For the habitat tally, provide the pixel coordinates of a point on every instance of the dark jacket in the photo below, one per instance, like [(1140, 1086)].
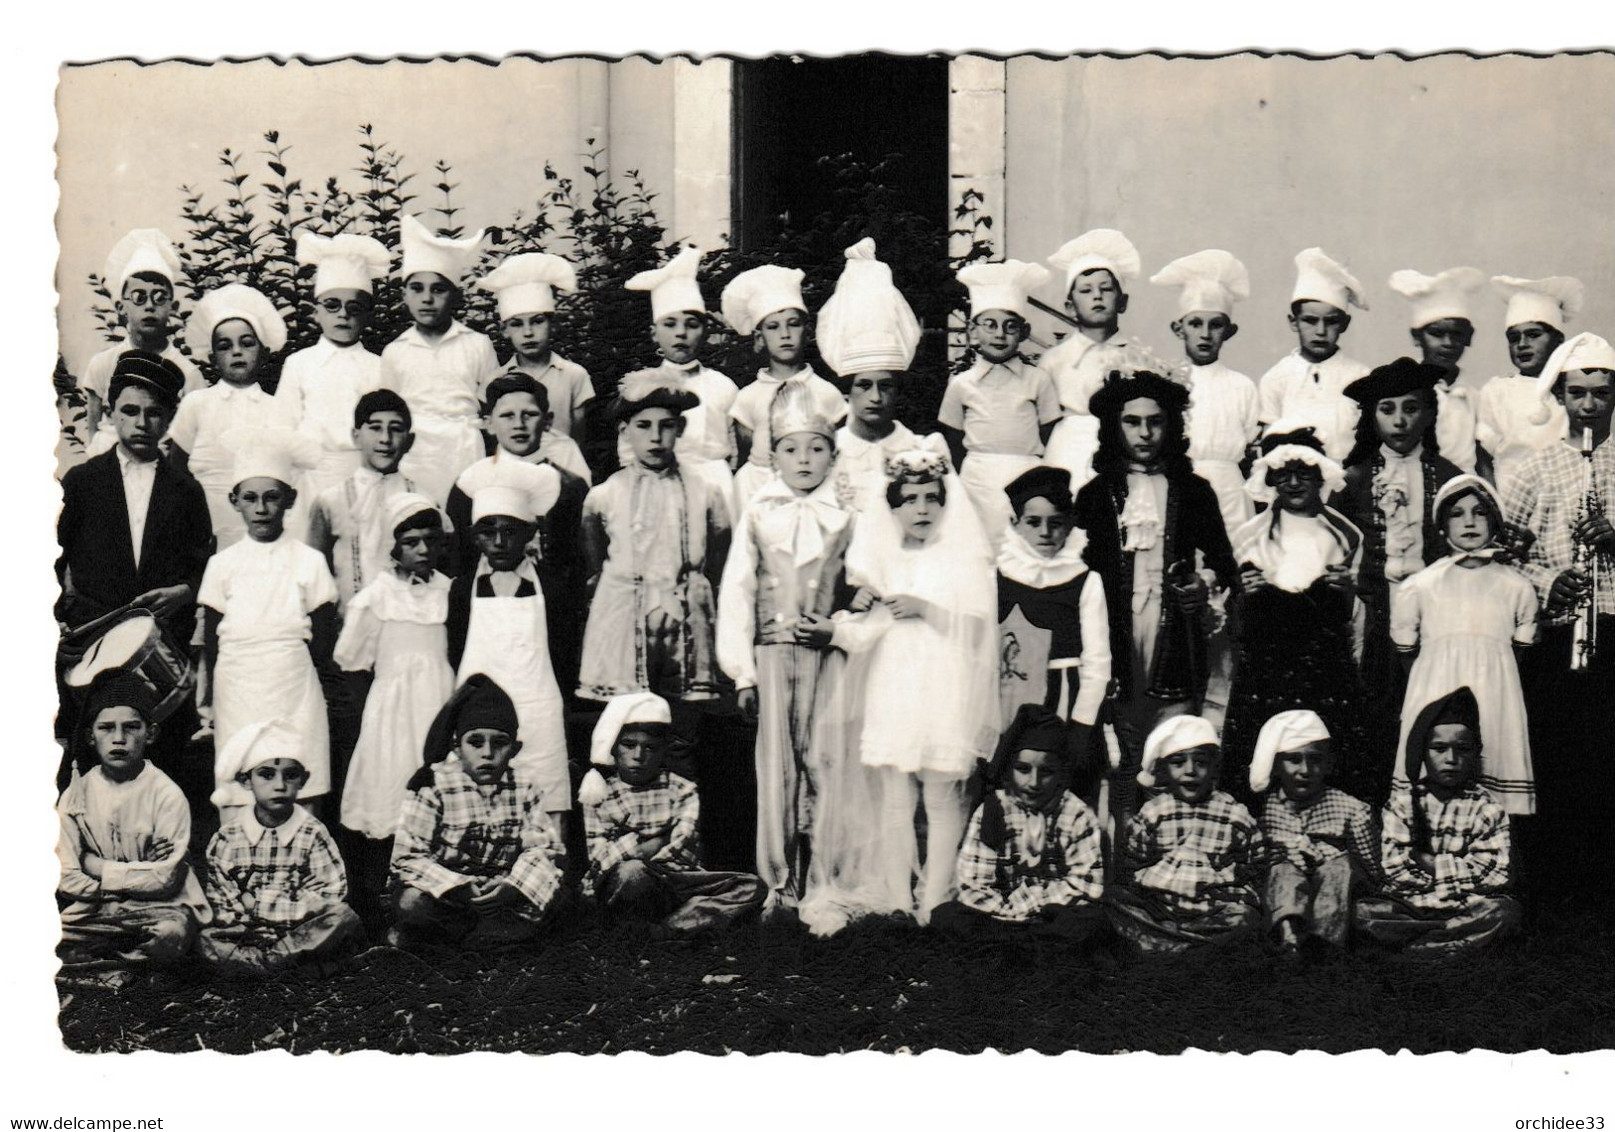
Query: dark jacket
[(97, 563), (1192, 524)]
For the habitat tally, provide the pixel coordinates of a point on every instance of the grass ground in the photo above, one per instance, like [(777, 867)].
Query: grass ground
[(884, 987)]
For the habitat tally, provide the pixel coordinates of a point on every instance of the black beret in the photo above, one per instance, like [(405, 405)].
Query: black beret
[(1395, 379), (1041, 482)]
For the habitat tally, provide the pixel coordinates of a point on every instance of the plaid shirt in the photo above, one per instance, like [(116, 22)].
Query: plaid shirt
[(1334, 824), (1197, 856), (1020, 881), (292, 872), (666, 807), (1469, 843), (1544, 497), (452, 831)]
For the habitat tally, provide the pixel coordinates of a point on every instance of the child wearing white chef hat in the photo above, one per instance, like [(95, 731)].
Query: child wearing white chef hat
[(1096, 268), (525, 287), (439, 365), (679, 326), (1002, 409), (269, 607), (238, 329), (1534, 324), (142, 273), (766, 305), (321, 385), (1309, 384), (274, 876), (1442, 326)]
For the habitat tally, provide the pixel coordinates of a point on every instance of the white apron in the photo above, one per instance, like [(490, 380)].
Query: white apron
[(985, 475), (508, 640), (1232, 499), (273, 679), (1072, 445)]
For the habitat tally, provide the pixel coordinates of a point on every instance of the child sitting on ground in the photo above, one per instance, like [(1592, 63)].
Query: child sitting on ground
[(127, 892), (395, 626), (274, 876), (525, 287), (1322, 840), (320, 387), (476, 859), (239, 329), (1445, 844), (346, 522), (766, 305), (1191, 857), (1030, 863), (644, 852)]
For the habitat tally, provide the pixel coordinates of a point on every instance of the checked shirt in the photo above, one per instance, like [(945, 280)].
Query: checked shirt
[(292, 871), (1019, 882), (1333, 825), (1195, 857), (668, 806), (1469, 842)]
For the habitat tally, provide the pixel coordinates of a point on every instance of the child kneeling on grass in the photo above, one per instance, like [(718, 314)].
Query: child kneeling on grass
[(274, 877), (1445, 844), (1031, 862), (1192, 855), (1323, 840), (644, 853), (476, 859), (127, 892)]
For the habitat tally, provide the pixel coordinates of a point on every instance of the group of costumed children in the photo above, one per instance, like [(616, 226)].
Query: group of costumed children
[(1148, 646)]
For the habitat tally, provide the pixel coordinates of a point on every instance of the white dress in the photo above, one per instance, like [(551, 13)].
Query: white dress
[(397, 628), (1465, 622), (265, 592)]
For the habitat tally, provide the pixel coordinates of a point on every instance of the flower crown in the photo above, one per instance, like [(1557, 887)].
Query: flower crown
[(917, 465)]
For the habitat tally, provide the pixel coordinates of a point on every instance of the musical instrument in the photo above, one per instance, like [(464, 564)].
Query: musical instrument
[(1586, 561), (135, 642)]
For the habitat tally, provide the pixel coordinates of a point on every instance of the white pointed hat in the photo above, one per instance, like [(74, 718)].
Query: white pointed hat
[(1002, 286), (345, 262), (673, 286), (448, 256), (1553, 301), (526, 283), (234, 300), (145, 250), (1435, 297), (753, 295), (1320, 279), (619, 712), (1212, 280), (1179, 733), (1286, 731), (867, 324), (1099, 248), (249, 748)]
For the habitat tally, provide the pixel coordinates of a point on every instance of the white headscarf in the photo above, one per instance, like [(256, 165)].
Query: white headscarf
[(1286, 731)]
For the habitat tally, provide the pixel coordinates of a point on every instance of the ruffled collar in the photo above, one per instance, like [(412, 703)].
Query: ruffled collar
[(1018, 562)]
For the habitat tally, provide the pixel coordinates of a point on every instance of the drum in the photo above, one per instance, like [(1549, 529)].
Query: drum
[(140, 646)]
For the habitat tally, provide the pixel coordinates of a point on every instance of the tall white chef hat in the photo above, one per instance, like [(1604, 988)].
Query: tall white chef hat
[(1098, 248), (1320, 279), (867, 324), (448, 256), (276, 452), (511, 487), (143, 251), (1553, 301), (1211, 281), (753, 295), (342, 262), (526, 283), (1435, 297), (673, 287), (1002, 286)]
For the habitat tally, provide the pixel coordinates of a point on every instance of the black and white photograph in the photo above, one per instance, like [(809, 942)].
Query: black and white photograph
[(731, 552)]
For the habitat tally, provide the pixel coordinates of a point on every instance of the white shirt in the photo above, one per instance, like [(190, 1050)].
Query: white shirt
[(1456, 424), (1223, 417), (440, 380), (321, 386), (1505, 408), (860, 467), (1398, 493), (265, 591), (1000, 406), (1314, 394), (568, 386), (138, 477), (204, 418), (1076, 368)]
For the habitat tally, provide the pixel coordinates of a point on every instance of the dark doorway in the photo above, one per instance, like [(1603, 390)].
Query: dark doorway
[(790, 111)]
